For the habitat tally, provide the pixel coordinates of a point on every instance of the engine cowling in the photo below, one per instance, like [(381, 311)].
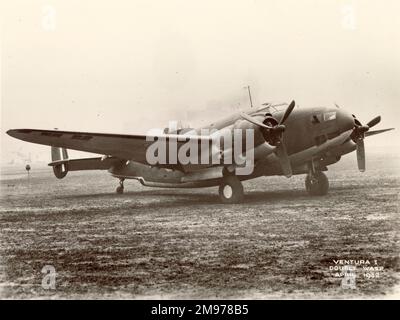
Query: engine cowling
[(271, 137), (262, 145), (274, 135)]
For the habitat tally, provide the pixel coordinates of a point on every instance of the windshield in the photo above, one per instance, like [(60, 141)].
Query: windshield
[(272, 107)]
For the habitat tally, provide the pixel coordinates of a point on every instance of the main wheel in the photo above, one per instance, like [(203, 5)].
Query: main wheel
[(317, 184), (231, 190)]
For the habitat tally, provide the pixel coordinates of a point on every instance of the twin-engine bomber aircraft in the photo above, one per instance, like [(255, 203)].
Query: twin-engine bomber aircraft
[(283, 142)]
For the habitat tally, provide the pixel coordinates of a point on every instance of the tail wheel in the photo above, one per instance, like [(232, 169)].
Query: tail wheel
[(231, 190), (317, 184), (120, 190)]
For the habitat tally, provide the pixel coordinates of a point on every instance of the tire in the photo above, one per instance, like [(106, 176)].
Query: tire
[(120, 190), (231, 190), (318, 187)]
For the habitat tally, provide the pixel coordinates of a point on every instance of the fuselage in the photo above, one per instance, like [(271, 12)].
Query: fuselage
[(306, 129)]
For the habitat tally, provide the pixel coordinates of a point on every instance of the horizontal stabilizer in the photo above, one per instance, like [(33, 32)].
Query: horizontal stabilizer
[(87, 163)]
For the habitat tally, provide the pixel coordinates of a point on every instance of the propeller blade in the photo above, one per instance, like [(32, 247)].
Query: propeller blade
[(374, 122), (284, 159), (361, 155), (371, 133), (254, 121), (288, 112)]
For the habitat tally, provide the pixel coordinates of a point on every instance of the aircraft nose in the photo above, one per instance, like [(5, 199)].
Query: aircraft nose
[(345, 120)]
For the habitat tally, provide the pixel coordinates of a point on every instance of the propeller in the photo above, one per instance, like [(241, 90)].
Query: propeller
[(273, 134), (287, 113), (372, 133), (374, 122), (358, 136)]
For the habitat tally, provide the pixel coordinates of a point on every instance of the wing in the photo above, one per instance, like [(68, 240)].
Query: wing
[(129, 147)]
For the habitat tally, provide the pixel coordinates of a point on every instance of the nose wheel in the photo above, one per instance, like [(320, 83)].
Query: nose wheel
[(317, 183), (231, 190), (120, 188)]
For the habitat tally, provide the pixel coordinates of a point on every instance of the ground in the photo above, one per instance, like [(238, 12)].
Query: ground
[(164, 243)]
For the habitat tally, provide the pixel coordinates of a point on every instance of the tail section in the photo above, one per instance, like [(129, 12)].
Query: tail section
[(59, 158), (62, 164)]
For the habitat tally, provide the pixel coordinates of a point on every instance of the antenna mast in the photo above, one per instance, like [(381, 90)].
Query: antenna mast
[(251, 101)]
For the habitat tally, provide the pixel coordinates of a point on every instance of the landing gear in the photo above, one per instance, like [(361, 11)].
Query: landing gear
[(231, 189), (317, 183), (120, 188)]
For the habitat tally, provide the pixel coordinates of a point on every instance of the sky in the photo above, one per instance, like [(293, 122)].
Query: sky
[(129, 66)]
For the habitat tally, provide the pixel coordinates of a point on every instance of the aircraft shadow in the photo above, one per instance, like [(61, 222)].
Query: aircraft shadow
[(179, 198)]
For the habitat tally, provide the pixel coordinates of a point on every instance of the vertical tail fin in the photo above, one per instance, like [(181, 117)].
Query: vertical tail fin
[(58, 154)]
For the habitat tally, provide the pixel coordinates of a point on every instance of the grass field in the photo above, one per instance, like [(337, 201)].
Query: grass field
[(160, 243)]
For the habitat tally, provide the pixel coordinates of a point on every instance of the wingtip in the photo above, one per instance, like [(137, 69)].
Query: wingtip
[(15, 133)]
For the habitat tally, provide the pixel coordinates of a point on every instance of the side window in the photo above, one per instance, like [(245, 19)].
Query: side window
[(328, 116), (316, 118)]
